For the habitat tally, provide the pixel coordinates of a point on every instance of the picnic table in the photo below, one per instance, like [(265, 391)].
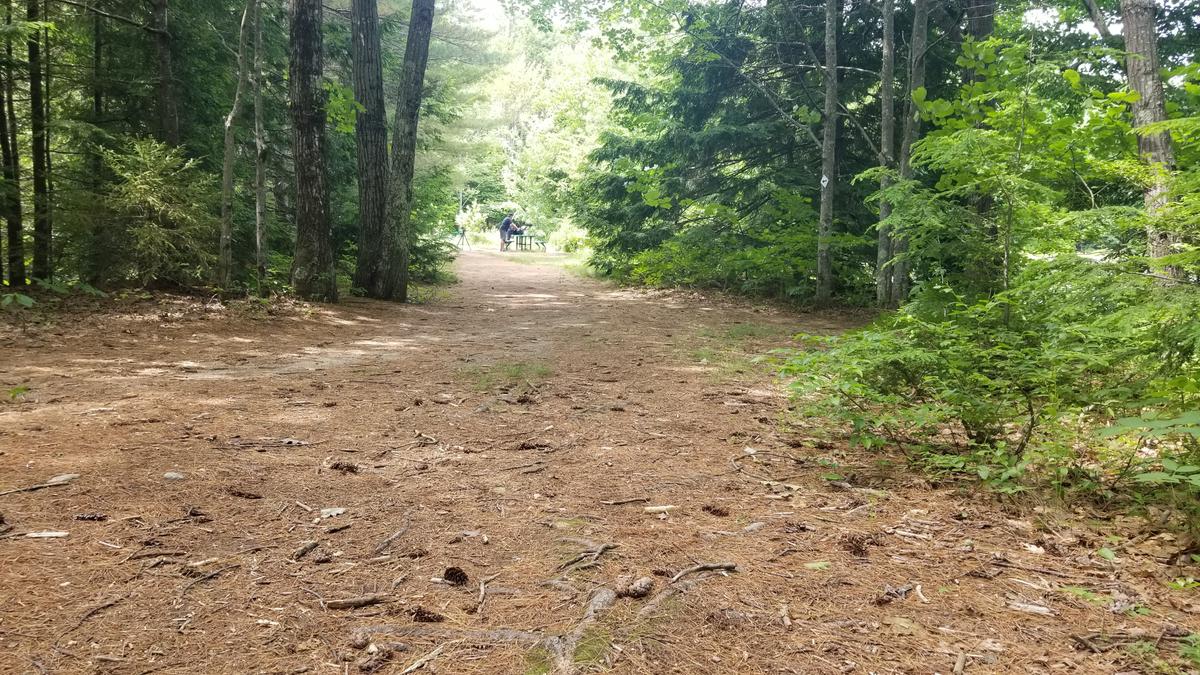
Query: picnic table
[(527, 242)]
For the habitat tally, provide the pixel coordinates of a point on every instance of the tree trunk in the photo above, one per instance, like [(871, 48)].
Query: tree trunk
[(404, 143), (981, 18), (97, 251), (828, 155), (374, 235), (43, 267), (260, 158), (887, 145), (48, 61), (10, 192), (225, 261), (912, 126), (12, 169), (168, 109), (313, 273), (981, 23), (1141, 67), (1098, 19)]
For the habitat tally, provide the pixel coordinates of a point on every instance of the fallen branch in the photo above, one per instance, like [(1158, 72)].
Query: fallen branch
[(483, 591), (90, 613), (539, 463), (1086, 643), (1003, 562), (305, 548), (960, 663), (621, 502), (351, 603), (705, 567), (421, 662), (590, 556), (502, 635), (31, 488), (211, 575), (394, 536)]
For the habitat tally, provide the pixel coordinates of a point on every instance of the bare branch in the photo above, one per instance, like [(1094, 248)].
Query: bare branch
[(115, 17)]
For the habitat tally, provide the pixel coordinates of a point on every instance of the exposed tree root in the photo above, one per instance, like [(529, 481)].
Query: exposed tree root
[(494, 636), (562, 647)]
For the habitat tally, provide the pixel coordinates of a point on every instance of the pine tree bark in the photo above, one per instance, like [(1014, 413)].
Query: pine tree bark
[(97, 251), (312, 267), (404, 144), (371, 272), (168, 108), (1141, 68), (901, 269), (225, 258), (12, 169), (981, 18), (43, 266), (1098, 19), (260, 158), (828, 155), (48, 99), (887, 144)]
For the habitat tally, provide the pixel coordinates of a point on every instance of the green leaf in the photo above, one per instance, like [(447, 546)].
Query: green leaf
[(1156, 478), (1071, 75), (1107, 554), (820, 565)]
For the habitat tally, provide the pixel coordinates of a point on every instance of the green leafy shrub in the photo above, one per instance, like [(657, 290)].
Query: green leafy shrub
[(771, 262), (162, 226), (431, 255), (1022, 382)]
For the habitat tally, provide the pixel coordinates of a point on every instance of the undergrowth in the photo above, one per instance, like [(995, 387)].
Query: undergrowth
[(506, 375), (1083, 377)]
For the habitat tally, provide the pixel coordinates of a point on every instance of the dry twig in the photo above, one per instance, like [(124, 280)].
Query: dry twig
[(421, 662), (394, 536), (705, 567), (351, 603), (305, 548), (31, 488), (211, 575), (589, 556)]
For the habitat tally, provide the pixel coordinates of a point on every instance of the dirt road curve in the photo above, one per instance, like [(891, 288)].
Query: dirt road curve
[(488, 428)]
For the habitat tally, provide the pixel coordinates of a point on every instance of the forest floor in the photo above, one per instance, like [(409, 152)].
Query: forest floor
[(242, 473)]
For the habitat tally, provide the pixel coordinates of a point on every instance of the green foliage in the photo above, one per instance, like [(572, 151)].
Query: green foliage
[(506, 375), (1189, 649), (430, 257), (1002, 386), (15, 301), (162, 208)]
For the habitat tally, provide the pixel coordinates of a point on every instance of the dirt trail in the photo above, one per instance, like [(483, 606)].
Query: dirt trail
[(490, 426)]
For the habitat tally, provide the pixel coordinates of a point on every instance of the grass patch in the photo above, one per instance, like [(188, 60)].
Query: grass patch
[(593, 647), (726, 354), (1084, 594), (538, 662), (505, 375), (570, 524), (728, 364), (575, 264), (739, 332), (534, 258)]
